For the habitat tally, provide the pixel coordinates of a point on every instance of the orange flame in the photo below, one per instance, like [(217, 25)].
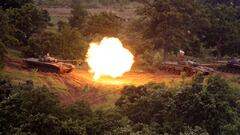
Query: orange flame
[(109, 58)]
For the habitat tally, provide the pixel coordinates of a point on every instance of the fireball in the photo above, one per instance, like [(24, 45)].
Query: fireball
[(109, 58)]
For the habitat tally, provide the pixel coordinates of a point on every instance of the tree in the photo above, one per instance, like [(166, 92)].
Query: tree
[(4, 25), (6, 88), (7, 31), (78, 111), (79, 15), (71, 44), (172, 25), (198, 108), (68, 43), (33, 109), (3, 51), (27, 20), (226, 2), (4, 32), (5, 4), (104, 122), (42, 43), (104, 24), (211, 107), (224, 33)]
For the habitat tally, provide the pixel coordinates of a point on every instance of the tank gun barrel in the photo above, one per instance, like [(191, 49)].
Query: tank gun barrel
[(76, 62), (70, 61)]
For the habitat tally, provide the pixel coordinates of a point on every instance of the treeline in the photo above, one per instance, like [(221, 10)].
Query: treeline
[(25, 28), (202, 28), (19, 20), (70, 40), (197, 108), (199, 27)]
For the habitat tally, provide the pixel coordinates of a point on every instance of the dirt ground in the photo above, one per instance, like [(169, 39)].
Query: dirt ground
[(82, 86)]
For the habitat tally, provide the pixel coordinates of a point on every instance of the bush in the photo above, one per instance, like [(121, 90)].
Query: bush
[(26, 110), (212, 106), (202, 108), (3, 51)]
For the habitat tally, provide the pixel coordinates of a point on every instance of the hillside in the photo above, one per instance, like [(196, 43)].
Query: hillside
[(79, 85)]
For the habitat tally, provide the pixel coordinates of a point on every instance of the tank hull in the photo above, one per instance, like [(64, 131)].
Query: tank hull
[(59, 68), (177, 69), (230, 68)]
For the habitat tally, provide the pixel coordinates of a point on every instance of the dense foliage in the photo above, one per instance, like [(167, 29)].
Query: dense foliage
[(192, 26), (173, 25), (201, 28), (28, 110), (4, 32), (66, 44), (104, 24), (197, 108), (6, 4), (79, 15), (224, 33), (19, 19), (2, 54), (212, 107), (24, 18), (27, 20)]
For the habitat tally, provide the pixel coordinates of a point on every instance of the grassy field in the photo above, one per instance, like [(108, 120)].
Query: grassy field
[(39, 80)]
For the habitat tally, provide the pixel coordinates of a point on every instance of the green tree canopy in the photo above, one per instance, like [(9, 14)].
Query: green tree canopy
[(3, 52), (79, 15), (103, 24), (226, 2), (71, 44), (210, 107), (172, 25), (42, 43), (5, 4), (224, 33), (27, 20), (68, 43)]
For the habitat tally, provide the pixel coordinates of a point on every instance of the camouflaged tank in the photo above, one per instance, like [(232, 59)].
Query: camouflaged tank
[(189, 67), (49, 64), (232, 66)]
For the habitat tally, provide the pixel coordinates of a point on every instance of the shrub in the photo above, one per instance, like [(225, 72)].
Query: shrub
[(3, 51)]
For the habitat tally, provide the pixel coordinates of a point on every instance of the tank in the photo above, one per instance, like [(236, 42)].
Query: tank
[(49, 64), (189, 67), (232, 66)]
